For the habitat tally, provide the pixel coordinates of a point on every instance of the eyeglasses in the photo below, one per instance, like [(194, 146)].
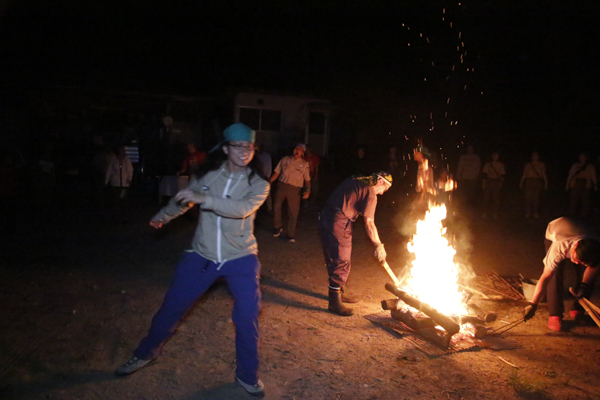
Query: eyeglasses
[(242, 147)]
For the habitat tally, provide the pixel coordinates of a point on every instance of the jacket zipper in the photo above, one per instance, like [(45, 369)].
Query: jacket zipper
[(224, 195)]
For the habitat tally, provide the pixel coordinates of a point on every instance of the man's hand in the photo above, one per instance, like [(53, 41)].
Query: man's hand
[(186, 196), (156, 224), (380, 253), (584, 290), (529, 311), (306, 194)]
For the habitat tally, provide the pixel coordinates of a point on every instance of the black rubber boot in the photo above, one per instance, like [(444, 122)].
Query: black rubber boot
[(348, 298), (335, 303)]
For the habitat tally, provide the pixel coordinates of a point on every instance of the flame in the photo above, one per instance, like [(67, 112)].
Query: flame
[(433, 273)]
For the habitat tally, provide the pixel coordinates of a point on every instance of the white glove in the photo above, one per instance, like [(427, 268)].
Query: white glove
[(380, 253)]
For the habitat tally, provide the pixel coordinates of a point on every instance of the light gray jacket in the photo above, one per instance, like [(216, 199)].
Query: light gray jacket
[(226, 223)]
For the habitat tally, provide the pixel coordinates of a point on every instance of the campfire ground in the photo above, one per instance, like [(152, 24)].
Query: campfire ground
[(78, 293)]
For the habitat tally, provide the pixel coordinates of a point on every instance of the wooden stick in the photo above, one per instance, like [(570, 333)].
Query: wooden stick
[(497, 291), (391, 273), (585, 303), (511, 364), (593, 306), (483, 295), (507, 285), (592, 313)]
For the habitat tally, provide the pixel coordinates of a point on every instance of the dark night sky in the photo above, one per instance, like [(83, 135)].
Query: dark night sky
[(534, 63)]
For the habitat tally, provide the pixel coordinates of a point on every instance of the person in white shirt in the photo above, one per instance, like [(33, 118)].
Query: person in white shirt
[(119, 176), (567, 242)]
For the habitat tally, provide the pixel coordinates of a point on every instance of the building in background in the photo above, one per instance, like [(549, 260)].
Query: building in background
[(281, 121)]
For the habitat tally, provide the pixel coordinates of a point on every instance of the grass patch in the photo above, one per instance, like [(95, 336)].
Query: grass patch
[(526, 389)]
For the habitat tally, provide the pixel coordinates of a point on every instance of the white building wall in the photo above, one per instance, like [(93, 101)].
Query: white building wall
[(295, 112)]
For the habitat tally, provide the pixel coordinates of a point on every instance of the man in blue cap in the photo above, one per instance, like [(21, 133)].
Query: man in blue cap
[(229, 193)]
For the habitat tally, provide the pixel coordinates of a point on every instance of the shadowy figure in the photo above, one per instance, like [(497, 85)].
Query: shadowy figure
[(467, 174), (119, 176), (533, 182), (580, 182), (493, 179)]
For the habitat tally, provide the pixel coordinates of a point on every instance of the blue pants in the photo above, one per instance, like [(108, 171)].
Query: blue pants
[(194, 275)]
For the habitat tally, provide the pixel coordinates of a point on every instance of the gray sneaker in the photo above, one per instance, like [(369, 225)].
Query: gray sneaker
[(131, 366), (257, 390)]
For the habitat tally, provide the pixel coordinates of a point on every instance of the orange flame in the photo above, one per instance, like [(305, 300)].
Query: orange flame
[(433, 273)]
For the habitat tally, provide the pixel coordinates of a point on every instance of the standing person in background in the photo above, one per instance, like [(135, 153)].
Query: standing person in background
[(313, 169), (580, 182), (360, 164), (266, 166), (100, 163), (119, 176), (292, 175), (533, 181), (224, 246), (467, 174), (192, 161), (493, 179), (353, 197)]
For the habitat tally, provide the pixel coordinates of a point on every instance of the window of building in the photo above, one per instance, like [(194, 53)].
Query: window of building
[(316, 123), (250, 117), (258, 119)]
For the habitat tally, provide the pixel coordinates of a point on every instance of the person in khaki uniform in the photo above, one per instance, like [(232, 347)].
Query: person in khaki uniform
[(292, 174)]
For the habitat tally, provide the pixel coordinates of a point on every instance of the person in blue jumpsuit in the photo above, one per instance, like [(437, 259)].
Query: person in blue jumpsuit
[(229, 193), (353, 197)]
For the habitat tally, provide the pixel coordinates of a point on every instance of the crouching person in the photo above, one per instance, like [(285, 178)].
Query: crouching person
[(229, 189), (567, 243)]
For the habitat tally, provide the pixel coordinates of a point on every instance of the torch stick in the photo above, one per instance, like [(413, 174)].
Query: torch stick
[(391, 273)]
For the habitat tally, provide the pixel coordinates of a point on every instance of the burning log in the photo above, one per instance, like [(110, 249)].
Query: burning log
[(414, 320), (476, 330), (442, 320), (484, 315), (470, 319), (391, 304)]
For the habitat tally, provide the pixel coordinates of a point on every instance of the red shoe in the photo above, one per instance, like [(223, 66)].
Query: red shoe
[(555, 323), (578, 316)]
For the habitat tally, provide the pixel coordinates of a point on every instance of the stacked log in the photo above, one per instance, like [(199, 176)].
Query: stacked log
[(446, 322)]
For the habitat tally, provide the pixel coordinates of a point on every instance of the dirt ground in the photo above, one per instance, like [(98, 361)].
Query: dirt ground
[(78, 293)]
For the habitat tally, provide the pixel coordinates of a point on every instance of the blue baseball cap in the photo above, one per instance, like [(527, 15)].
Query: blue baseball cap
[(239, 132)]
